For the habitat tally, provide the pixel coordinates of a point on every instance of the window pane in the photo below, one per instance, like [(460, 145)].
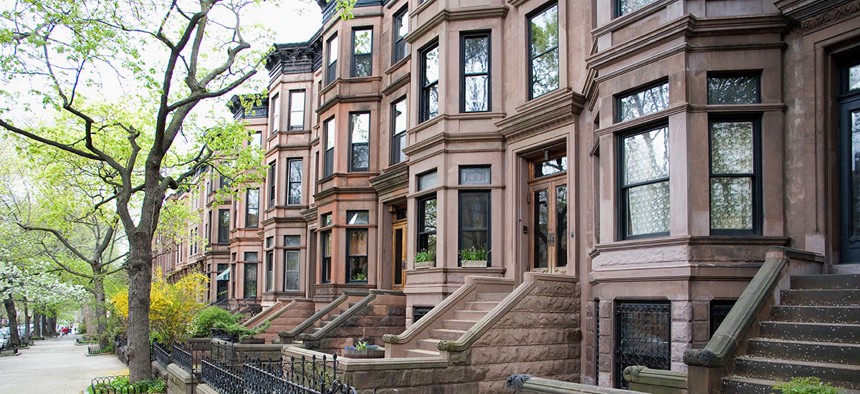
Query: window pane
[(433, 101), (429, 209), (475, 210), (545, 73), (427, 181), (332, 50), (326, 220), (854, 77), (475, 175), (360, 127), (363, 66), (223, 226), (476, 55), (731, 203), (357, 217), (648, 209), (250, 280), (357, 255), (646, 156), (256, 140), (732, 148), (297, 110), (357, 242), (644, 102), (544, 31), (431, 66), (360, 157), (291, 270), (733, 90), (541, 234), (329, 133), (402, 25), (400, 117), (252, 207), (250, 256), (551, 167), (628, 6), (561, 225), (292, 240), (363, 40), (476, 93)]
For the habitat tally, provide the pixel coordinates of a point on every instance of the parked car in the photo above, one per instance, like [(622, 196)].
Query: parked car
[(4, 340)]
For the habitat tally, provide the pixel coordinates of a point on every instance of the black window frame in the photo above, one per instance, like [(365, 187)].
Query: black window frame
[(355, 56), (353, 145), (397, 155), (276, 113), (288, 250), (270, 187), (756, 178), (461, 230), (729, 74), (270, 270), (617, 117), (249, 279), (622, 196), (422, 238), (425, 87), (398, 43), (531, 58), (291, 113), (291, 183), (349, 257), (463, 75), (248, 200), (331, 66), (325, 260), (329, 138), (223, 226)]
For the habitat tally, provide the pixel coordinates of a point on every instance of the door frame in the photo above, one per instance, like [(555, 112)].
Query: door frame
[(549, 182), (398, 225)]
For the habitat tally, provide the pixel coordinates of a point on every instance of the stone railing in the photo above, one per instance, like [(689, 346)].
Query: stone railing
[(288, 336), (707, 367), (526, 384), (649, 380)]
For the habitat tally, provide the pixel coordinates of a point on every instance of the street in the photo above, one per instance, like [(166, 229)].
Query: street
[(55, 365)]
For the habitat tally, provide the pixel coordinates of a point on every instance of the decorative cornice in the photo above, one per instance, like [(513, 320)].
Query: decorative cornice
[(258, 106), (335, 190), (391, 180), (337, 99), (830, 17), (310, 215), (456, 15), (547, 112)]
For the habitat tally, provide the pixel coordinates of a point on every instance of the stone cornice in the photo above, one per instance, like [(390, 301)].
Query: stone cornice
[(658, 242), (335, 190), (391, 180), (444, 138), (310, 215), (550, 111), (456, 15), (397, 84), (813, 14), (348, 99)]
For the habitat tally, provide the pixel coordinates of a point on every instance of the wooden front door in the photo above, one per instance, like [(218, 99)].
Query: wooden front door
[(548, 196)]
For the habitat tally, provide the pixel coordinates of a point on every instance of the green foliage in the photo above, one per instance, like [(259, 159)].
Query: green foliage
[(806, 385), (473, 254), (425, 256), (121, 385), (237, 330), (206, 319)]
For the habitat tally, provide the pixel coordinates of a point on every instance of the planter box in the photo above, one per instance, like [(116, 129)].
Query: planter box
[(424, 264), (369, 353), (473, 263)]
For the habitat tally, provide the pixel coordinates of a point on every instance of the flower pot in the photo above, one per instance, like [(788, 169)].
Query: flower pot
[(366, 353), (424, 264), (473, 263)]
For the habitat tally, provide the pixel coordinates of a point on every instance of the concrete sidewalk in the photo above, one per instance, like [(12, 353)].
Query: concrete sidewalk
[(55, 365)]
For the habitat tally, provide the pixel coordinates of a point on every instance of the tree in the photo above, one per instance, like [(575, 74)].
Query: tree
[(169, 57)]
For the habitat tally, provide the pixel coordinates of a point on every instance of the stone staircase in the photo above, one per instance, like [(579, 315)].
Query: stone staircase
[(813, 331), (464, 318), (282, 316)]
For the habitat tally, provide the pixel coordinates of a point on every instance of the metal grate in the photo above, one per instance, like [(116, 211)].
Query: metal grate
[(719, 310), (419, 311), (642, 336)]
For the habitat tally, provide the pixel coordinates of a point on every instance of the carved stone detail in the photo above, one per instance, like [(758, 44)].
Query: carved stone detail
[(830, 17)]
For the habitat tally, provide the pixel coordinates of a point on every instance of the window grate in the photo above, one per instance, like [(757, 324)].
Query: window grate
[(642, 336)]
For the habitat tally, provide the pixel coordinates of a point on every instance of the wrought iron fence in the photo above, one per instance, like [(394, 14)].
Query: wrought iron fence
[(296, 376), (182, 358), (107, 385), (642, 336), (190, 356), (223, 378), (160, 354)]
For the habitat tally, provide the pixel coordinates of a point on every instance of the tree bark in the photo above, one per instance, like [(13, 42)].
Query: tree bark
[(26, 321), (101, 312), (14, 340), (37, 324), (52, 325), (140, 280)]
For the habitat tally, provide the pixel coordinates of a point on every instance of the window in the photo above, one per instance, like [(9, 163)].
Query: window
[(427, 224), (645, 183), (475, 175), (356, 254), (252, 208), (222, 282), (328, 156), (642, 336), (719, 309), (359, 138), (270, 242), (398, 131), (223, 181), (291, 262), (643, 102), (297, 109), (623, 7), (270, 270), (325, 220), (250, 285), (735, 185), (401, 28), (543, 51), (475, 83), (362, 48), (734, 89), (256, 141), (325, 242), (427, 180), (276, 113), (475, 222), (551, 167), (331, 66), (294, 182), (223, 226), (357, 217), (271, 184), (429, 100)]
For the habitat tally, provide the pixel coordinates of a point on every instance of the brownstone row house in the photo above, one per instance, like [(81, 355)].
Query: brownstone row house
[(646, 152)]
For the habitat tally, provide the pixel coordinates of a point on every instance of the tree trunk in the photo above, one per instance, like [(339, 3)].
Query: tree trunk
[(140, 282), (27, 333), (14, 340), (52, 325), (101, 313), (37, 324)]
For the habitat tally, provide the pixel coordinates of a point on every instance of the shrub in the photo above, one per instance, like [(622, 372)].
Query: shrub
[(808, 385), (120, 384), (206, 319), (235, 329), (473, 254), (424, 256)]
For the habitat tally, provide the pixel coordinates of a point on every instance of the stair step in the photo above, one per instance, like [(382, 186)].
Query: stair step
[(764, 368), (743, 385), (444, 333), (421, 353), (821, 297), (841, 333), (458, 324), (827, 352), (496, 297), (841, 281), (429, 344), (469, 315), (481, 305), (816, 314)]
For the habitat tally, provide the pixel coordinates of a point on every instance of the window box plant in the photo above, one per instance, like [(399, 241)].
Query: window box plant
[(363, 349), (425, 259), (473, 257)]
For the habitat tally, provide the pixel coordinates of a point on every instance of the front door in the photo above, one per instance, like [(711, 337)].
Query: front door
[(398, 257), (548, 204), (849, 148)]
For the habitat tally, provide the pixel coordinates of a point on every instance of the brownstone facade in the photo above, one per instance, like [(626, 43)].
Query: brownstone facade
[(650, 151)]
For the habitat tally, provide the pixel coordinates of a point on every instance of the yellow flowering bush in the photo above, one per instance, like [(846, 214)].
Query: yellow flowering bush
[(172, 306)]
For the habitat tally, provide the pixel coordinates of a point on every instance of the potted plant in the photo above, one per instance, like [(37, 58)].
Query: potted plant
[(359, 277), (363, 349), (425, 259), (473, 257)]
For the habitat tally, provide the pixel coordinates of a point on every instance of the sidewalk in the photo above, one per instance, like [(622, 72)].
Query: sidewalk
[(55, 365)]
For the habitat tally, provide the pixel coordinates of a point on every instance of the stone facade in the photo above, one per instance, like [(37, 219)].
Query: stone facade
[(385, 314)]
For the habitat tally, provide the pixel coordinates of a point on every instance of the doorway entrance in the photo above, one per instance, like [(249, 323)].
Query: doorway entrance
[(398, 257), (548, 196), (849, 164)]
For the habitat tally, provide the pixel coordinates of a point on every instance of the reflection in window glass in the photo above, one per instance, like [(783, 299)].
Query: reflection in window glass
[(291, 270), (356, 255), (551, 167), (476, 73), (543, 52), (645, 182), (475, 222), (743, 89), (359, 137), (628, 6), (362, 60), (401, 28), (398, 131), (328, 155), (427, 180), (854, 77), (331, 68), (732, 175), (294, 182), (325, 242), (475, 175), (643, 102), (430, 83), (357, 217), (252, 208), (297, 109), (250, 285), (427, 225), (326, 220), (292, 240)]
